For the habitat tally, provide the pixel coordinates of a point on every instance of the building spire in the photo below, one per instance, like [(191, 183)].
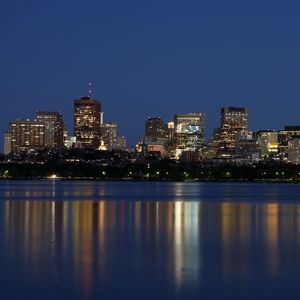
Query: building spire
[(90, 89)]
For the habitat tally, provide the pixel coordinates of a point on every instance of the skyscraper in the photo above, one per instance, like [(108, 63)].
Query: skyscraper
[(294, 151), (284, 136), (268, 142), (26, 135), (87, 121), (54, 128), (233, 120), (189, 132), (156, 130), (7, 142), (109, 135)]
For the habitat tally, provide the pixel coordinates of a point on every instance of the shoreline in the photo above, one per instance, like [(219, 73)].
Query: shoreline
[(196, 180)]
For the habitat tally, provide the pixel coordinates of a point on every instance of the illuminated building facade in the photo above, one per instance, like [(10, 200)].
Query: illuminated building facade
[(294, 151), (212, 150), (171, 127), (87, 121), (109, 135), (268, 142), (54, 128), (156, 130), (70, 142), (246, 145), (233, 120), (284, 136), (7, 143), (155, 147), (189, 132), (26, 135), (121, 142)]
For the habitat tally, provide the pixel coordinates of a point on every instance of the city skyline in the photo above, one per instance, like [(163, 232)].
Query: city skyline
[(149, 149), (171, 57), (209, 128), (208, 134)]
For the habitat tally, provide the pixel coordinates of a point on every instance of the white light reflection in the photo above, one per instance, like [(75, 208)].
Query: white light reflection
[(187, 256), (53, 189), (178, 237), (53, 234)]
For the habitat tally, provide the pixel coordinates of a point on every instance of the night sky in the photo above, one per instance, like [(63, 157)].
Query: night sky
[(151, 58)]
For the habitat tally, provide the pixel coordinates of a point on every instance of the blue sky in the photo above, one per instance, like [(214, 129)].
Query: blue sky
[(151, 58)]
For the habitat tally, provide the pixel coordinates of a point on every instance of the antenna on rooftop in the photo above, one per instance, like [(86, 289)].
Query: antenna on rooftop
[(90, 89)]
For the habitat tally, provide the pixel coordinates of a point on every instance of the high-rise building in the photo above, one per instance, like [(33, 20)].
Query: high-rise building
[(294, 151), (87, 121), (7, 143), (121, 142), (26, 135), (171, 128), (156, 130), (212, 148), (246, 145), (70, 142), (284, 136), (268, 142), (54, 128), (109, 135), (189, 132), (233, 120)]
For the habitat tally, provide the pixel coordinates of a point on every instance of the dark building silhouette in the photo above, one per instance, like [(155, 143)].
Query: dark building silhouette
[(156, 130)]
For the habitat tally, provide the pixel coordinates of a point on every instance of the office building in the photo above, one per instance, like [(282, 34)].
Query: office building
[(294, 151), (156, 130), (171, 132), (189, 132), (7, 143), (25, 135), (109, 135), (87, 113), (54, 128), (213, 147), (284, 136), (246, 145), (121, 142), (233, 120), (268, 142), (70, 142), (154, 148)]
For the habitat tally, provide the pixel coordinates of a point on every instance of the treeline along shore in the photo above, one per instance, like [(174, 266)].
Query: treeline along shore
[(99, 165)]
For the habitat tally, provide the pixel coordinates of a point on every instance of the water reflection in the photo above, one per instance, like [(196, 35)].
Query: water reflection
[(84, 248)]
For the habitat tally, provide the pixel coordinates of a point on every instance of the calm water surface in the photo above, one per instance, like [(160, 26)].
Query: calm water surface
[(131, 240)]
